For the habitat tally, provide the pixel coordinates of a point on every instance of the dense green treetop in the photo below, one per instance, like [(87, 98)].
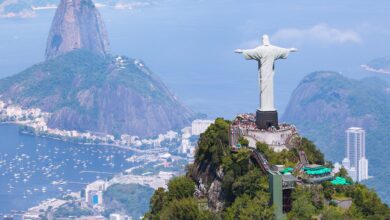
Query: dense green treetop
[(180, 188)]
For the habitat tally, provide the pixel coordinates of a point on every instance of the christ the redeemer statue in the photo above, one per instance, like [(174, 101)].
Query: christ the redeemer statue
[(266, 55)]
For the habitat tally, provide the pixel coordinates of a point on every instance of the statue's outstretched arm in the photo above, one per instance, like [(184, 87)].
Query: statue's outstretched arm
[(239, 51), (293, 49)]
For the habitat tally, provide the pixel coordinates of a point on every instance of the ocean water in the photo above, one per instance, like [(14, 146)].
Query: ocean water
[(33, 169)]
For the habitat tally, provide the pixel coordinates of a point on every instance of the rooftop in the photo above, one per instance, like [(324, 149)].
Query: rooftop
[(286, 170), (340, 181), (316, 170)]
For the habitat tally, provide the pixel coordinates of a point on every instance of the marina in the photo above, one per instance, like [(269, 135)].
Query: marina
[(33, 169)]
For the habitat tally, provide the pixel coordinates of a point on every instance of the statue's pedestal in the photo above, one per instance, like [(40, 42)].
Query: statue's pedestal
[(267, 119)]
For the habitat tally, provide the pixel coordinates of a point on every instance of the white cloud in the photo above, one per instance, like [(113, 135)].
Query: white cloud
[(320, 33)]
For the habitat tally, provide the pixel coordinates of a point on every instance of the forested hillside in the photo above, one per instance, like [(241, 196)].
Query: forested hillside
[(223, 184)]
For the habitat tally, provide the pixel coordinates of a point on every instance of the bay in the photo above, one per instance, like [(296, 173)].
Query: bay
[(33, 169)]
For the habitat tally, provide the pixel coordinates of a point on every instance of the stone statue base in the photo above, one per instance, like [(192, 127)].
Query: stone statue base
[(267, 119)]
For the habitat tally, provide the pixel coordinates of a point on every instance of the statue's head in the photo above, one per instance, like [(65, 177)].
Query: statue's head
[(265, 40)]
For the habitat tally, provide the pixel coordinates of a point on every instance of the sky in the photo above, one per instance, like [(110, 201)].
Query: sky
[(190, 44), (198, 40)]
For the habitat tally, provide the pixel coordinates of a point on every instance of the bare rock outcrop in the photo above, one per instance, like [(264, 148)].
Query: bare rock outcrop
[(77, 24)]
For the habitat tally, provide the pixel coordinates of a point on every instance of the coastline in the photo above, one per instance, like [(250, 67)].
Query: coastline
[(156, 150), (66, 140), (34, 122)]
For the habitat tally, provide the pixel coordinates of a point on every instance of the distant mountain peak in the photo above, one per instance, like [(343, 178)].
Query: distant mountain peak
[(77, 24)]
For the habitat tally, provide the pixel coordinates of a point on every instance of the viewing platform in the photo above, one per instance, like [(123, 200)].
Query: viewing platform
[(278, 139)]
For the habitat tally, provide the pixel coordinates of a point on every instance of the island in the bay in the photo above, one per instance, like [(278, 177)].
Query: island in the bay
[(30, 8), (256, 168)]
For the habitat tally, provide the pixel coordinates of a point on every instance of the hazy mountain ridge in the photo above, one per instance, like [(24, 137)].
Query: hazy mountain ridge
[(331, 103), (85, 91), (28, 8)]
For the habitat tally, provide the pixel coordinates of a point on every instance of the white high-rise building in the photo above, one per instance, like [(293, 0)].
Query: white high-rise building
[(355, 154), (363, 169)]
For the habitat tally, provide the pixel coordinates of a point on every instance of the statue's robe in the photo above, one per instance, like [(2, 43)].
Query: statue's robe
[(266, 56)]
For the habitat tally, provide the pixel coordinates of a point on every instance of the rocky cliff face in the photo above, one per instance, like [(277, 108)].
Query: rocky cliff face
[(326, 103), (77, 24), (209, 185), (89, 92)]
